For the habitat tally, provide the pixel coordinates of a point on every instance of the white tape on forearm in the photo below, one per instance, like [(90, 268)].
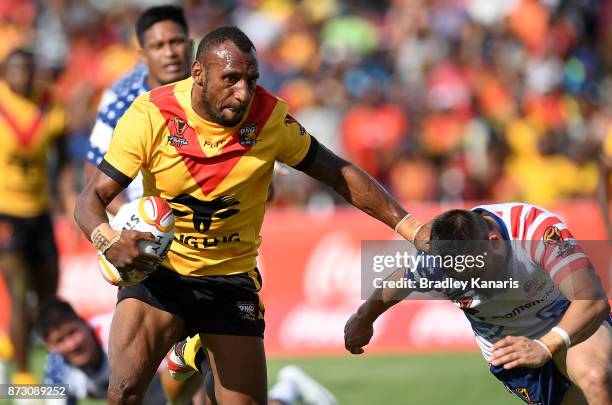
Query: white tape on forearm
[(566, 339), (103, 237), (538, 341)]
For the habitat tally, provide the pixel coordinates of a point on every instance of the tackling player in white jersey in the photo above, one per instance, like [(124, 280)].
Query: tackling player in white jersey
[(548, 339)]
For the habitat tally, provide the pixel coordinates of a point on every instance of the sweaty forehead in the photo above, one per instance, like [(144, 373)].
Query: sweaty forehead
[(228, 56)]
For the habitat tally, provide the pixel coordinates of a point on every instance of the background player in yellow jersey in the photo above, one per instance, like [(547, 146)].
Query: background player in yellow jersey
[(30, 126), (208, 146)]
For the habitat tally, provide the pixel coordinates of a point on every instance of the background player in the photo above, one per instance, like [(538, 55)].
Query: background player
[(550, 351), (78, 353), (165, 49), (31, 127), (208, 145)]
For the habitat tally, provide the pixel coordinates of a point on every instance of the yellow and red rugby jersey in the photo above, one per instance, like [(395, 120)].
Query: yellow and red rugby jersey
[(27, 130), (215, 179)]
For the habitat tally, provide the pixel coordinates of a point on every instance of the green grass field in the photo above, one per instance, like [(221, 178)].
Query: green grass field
[(428, 379)]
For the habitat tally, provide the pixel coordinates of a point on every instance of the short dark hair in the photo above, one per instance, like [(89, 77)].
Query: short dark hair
[(52, 314), (154, 15), (222, 34), (459, 232), (459, 225)]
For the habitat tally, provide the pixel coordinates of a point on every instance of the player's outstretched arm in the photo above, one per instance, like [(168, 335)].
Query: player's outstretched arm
[(362, 191), (359, 328), (90, 215)]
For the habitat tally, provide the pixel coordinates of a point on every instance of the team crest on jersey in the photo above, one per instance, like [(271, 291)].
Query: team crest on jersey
[(247, 135), (179, 125), (177, 129), (552, 237), (248, 310), (290, 120)]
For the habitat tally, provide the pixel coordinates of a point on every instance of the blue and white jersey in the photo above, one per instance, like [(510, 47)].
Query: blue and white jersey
[(537, 266), (114, 103)]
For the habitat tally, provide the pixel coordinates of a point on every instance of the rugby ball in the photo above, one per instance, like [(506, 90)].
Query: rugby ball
[(149, 214)]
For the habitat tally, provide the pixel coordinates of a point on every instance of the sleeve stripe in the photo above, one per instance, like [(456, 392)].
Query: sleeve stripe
[(515, 220), (531, 229), (310, 155), (570, 261), (566, 271), (114, 173)]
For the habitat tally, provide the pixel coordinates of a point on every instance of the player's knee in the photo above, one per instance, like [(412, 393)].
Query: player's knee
[(124, 391), (596, 380)]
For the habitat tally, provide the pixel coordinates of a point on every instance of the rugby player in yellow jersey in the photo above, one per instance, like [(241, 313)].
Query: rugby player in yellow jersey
[(604, 193), (30, 126), (208, 145)]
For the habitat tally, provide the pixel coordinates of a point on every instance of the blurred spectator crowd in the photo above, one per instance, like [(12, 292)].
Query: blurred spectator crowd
[(440, 100)]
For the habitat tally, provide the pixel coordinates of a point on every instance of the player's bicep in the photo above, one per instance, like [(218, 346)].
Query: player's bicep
[(582, 284), (105, 184), (325, 166)]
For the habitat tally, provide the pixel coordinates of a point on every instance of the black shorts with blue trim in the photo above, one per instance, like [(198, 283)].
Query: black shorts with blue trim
[(220, 305)]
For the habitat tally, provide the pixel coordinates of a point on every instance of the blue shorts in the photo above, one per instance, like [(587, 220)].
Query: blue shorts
[(545, 385)]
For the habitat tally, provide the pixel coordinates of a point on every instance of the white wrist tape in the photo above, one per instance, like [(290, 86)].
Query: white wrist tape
[(538, 341), (397, 226), (566, 339), (408, 228)]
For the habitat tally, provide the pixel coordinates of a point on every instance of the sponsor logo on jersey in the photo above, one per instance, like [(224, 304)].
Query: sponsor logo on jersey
[(290, 120), (521, 308), (207, 242), (205, 211), (247, 135), (248, 310), (177, 128)]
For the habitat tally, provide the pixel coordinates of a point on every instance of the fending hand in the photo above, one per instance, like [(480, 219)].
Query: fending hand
[(357, 334)]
